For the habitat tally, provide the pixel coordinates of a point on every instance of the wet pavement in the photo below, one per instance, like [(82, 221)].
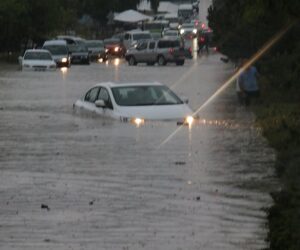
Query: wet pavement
[(70, 181)]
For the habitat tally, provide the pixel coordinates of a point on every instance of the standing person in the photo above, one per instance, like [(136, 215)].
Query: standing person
[(248, 83), (239, 93)]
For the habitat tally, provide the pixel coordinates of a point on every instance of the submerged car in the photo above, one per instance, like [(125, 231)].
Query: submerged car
[(37, 60), (80, 54), (96, 49), (159, 51), (131, 101), (114, 47), (59, 51)]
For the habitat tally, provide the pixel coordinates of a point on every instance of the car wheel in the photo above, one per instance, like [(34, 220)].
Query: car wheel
[(132, 61), (161, 61), (179, 63)]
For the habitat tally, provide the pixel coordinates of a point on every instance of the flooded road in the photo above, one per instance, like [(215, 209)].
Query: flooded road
[(69, 181)]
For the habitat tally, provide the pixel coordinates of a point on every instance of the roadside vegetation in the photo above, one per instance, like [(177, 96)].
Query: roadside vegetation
[(25, 23), (241, 28)]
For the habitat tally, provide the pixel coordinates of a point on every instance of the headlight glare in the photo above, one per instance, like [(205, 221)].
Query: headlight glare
[(189, 120), (138, 121)]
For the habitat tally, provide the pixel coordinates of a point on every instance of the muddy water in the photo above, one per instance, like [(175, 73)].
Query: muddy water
[(69, 181)]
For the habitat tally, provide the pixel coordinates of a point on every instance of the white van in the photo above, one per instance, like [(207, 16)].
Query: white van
[(132, 37), (59, 51)]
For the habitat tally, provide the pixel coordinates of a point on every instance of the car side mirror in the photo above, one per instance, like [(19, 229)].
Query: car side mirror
[(100, 104)]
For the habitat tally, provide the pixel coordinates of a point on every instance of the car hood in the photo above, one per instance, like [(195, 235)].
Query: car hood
[(156, 112), (38, 62)]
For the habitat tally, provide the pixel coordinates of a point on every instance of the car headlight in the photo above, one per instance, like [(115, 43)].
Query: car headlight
[(195, 31), (64, 60), (189, 120), (181, 31), (106, 50), (117, 49), (138, 121)]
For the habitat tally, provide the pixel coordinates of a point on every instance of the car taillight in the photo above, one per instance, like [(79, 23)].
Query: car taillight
[(190, 49), (202, 39), (171, 50)]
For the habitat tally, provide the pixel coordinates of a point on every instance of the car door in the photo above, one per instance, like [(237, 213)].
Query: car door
[(141, 52), (90, 98), (108, 110), (151, 52)]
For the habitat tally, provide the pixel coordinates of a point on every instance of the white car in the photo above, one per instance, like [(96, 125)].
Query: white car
[(38, 60), (136, 102)]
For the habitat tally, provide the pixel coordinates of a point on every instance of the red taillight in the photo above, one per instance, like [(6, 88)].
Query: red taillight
[(203, 26), (202, 39), (190, 49), (171, 50)]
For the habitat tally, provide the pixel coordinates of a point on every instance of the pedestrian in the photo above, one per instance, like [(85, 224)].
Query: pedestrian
[(239, 93), (248, 83)]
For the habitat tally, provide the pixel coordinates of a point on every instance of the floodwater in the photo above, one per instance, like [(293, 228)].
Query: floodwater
[(70, 181)]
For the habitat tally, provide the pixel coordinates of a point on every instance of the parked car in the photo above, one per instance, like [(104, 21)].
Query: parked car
[(132, 37), (96, 49), (160, 51), (132, 101), (114, 47), (37, 60), (59, 51)]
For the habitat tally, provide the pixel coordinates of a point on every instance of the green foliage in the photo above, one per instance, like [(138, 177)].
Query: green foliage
[(241, 28), (31, 20)]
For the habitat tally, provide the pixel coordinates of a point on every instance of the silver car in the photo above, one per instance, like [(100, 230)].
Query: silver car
[(159, 51)]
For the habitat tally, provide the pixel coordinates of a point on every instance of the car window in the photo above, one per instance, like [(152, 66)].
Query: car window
[(37, 56), (91, 95), (126, 37), (144, 95), (142, 46), (141, 36), (151, 45), (168, 44), (104, 95), (56, 49)]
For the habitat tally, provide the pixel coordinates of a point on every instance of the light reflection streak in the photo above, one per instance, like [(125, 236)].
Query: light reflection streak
[(252, 60)]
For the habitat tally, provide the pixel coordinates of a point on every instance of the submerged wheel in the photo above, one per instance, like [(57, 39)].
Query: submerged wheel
[(131, 61), (161, 61)]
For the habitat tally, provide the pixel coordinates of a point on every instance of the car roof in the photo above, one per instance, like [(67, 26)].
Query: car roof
[(138, 31), (127, 84), (37, 50), (55, 42)]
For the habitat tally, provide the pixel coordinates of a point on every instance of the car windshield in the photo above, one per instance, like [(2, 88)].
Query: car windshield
[(79, 48), (57, 49), (171, 33), (37, 56), (187, 25), (95, 44), (141, 36), (144, 95), (111, 41)]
